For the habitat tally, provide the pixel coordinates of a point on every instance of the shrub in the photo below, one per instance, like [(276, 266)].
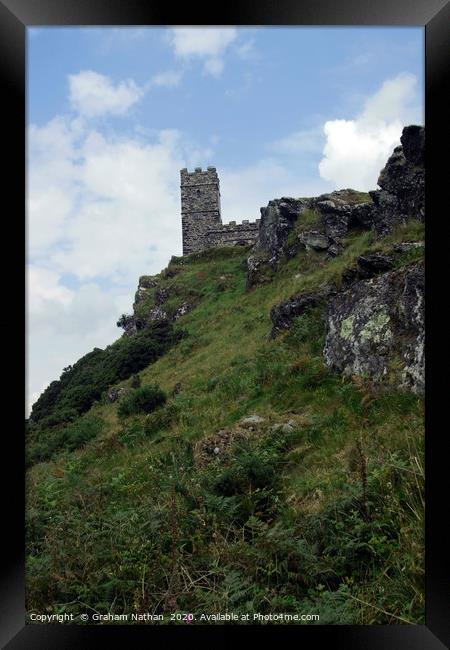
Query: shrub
[(135, 381), (308, 328), (84, 382), (159, 420), (142, 400), (46, 444)]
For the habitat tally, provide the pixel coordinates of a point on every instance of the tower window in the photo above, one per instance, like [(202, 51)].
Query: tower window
[(198, 192)]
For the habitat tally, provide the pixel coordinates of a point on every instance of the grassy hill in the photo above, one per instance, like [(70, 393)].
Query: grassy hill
[(264, 483)]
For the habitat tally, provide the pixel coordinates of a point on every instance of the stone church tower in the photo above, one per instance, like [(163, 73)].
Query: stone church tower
[(200, 207), (200, 215)]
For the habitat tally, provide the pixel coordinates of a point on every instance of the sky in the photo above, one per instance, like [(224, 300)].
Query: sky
[(114, 113)]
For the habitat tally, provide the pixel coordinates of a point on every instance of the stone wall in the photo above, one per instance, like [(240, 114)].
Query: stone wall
[(202, 225), (233, 234)]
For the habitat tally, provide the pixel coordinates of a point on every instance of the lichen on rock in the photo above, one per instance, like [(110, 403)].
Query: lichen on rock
[(376, 321)]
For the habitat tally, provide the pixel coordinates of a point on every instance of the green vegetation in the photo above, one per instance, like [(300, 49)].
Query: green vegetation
[(307, 219), (84, 383), (128, 511), (354, 197), (142, 400)]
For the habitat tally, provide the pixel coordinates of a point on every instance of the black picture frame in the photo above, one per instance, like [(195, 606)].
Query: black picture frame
[(434, 16)]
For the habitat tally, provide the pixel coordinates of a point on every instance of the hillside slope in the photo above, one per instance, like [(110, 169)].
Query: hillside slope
[(273, 478)]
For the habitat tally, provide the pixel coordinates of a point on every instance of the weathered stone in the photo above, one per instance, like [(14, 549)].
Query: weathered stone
[(259, 270), (114, 394), (283, 427), (251, 421), (284, 313), (277, 220), (406, 246), (374, 263), (315, 240), (349, 276), (148, 281), (402, 183), (182, 310), (413, 143), (367, 266), (161, 296), (156, 314), (363, 216), (202, 225), (376, 328), (140, 295)]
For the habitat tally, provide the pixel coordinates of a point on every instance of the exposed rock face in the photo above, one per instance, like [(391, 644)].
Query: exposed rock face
[(153, 302), (277, 220), (155, 314), (283, 314), (367, 267), (161, 296), (259, 269), (376, 328), (402, 182), (336, 213), (182, 310), (401, 197), (312, 239), (146, 283), (370, 265)]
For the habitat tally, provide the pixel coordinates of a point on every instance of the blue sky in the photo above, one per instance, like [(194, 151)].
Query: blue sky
[(114, 113)]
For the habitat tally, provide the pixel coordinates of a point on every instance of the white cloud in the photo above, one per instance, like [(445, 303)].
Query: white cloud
[(170, 78), (356, 150), (247, 50), (392, 101), (43, 287), (51, 182), (65, 324), (47, 210), (92, 94), (207, 43), (214, 67), (104, 210)]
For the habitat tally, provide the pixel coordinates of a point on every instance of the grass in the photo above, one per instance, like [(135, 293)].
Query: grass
[(326, 519)]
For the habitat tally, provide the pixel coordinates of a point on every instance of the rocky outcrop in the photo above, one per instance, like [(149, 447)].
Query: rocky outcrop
[(376, 328), (367, 266), (277, 221), (183, 309), (375, 322), (401, 198), (283, 314), (402, 182), (150, 305), (314, 240), (317, 224)]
